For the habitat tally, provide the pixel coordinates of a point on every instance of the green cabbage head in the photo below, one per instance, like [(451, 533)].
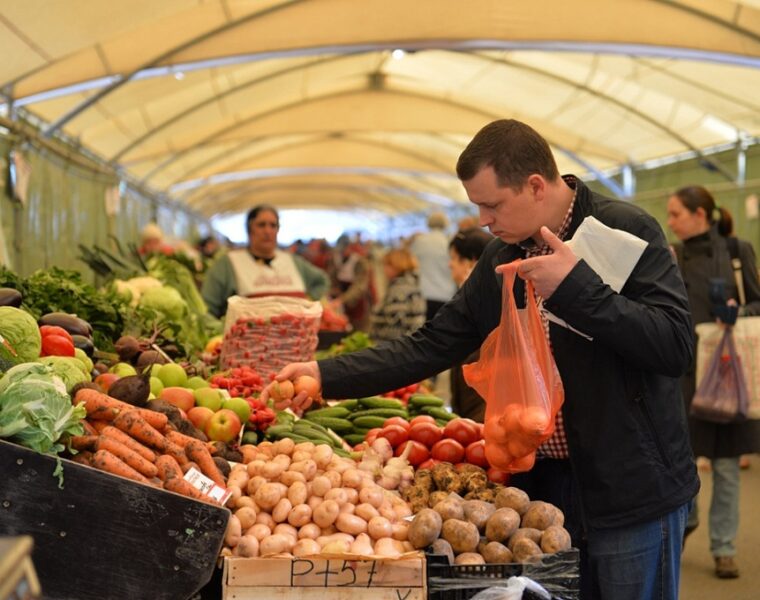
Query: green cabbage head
[(21, 337), (71, 370), (165, 300)]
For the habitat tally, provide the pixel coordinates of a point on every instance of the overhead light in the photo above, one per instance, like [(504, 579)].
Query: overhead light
[(179, 75), (398, 54)]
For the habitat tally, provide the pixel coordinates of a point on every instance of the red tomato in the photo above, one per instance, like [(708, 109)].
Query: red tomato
[(372, 435), (448, 450), (463, 431), (395, 434), (476, 454), (57, 345), (497, 476), (401, 421), (46, 330), (417, 455), (429, 464), (422, 419), (426, 433)]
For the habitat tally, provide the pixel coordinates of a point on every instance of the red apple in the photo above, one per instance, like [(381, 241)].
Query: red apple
[(199, 416), (223, 426), (106, 380), (179, 397)]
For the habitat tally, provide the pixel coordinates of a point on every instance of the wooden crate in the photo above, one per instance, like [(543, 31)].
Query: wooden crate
[(322, 579)]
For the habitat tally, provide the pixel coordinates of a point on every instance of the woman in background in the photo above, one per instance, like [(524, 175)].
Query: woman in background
[(705, 259), (465, 249), (402, 309)]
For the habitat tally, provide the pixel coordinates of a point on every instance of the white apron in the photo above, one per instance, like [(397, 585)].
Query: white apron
[(255, 279)]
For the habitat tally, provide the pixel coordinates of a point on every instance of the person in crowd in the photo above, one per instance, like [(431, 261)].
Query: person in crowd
[(468, 222), (152, 241), (623, 424), (261, 269), (465, 249), (208, 247), (402, 309), (352, 288), (431, 249), (705, 258)]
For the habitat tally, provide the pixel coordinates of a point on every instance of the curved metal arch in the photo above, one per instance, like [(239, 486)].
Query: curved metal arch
[(392, 147), (615, 102), (95, 98), (177, 155)]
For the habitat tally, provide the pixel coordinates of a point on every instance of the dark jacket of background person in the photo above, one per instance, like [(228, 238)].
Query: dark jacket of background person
[(401, 311), (701, 258), (624, 419)]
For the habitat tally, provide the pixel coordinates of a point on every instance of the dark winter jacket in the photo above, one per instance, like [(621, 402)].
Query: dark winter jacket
[(623, 412), (401, 311), (702, 258)]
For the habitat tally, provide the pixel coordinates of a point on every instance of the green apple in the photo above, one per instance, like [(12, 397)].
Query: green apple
[(172, 375), (195, 383), (239, 406), (81, 355), (151, 396), (156, 386), (123, 369), (209, 397)]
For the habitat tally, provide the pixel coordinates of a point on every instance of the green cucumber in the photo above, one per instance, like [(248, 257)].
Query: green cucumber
[(369, 421), (438, 413), (313, 434), (381, 402), (420, 400), (337, 425), (354, 438), (274, 431), (349, 404), (337, 412), (379, 412)]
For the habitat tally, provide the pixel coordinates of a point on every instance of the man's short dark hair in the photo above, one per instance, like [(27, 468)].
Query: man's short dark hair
[(254, 212), (514, 150)]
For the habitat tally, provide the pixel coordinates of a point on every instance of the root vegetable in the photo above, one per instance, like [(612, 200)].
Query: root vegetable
[(320, 485), (442, 547), (282, 510), (300, 515), (248, 546), (469, 558), (539, 515), (314, 501), (324, 540), (283, 446), (362, 545), (254, 483), (306, 547), (449, 509), (246, 516), (235, 495), (233, 532), (310, 530), (265, 518), (366, 511), (371, 495), (239, 478), (512, 497), (379, 527), (478, 512), (336, 547), (334, 477), (254, 468), (287, 530), (290, 477), (555, 539), (272, 470), (307, 467), (246, 501), (496, 553), (387, 547), (351, 478), (400, 530), (275, 544), (259, 531), (502, 524), (268, 495), (425, 528), (323, 454), (352, 495), (348, 509), (326, 513), (297, 493), (524, 532), (462, 536), (339, 495), (525, 550), (351, 524)]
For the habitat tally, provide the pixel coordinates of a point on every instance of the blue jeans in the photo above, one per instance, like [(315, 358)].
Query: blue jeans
[(640, 562), (724, 506)]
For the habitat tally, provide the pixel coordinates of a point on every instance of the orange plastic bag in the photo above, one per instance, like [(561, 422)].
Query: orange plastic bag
[(517, 377)]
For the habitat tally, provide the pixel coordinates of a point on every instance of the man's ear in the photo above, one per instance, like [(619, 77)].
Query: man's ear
[(537, 185)]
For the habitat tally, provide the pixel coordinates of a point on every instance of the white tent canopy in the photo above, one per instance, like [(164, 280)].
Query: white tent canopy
[(227, 103)]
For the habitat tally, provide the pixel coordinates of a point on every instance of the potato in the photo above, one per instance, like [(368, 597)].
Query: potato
[(400, 531), (248, 546), (351, 524), (367, 512), (539, 515), (555, 539), (478, 512), (559, 516), (450, 509), (469, 558), (462, 536), (496, 553), (281, 511), (526, 550), (326, 513), (502, 524), (514, 498), (311, 531), (379, 527), (274, 544), (524, 532), (444, 548), (425, 528), (306, 547), (300, 515), (234, 531), (247, 517), (259, 530), (268, 495)]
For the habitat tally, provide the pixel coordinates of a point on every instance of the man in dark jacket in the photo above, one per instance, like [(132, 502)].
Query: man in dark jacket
[(623, 425)]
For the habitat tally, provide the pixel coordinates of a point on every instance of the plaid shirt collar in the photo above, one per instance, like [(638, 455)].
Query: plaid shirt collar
[(530, 246)]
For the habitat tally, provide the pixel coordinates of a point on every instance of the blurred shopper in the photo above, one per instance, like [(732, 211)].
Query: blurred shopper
[(351, 275), (432, 252), (261, 269), (152, 241), (468, 222), (402, 309), (704, 257), (465, 249)]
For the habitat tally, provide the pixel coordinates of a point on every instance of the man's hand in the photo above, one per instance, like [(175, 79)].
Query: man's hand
[(301, 401), (547, 272)]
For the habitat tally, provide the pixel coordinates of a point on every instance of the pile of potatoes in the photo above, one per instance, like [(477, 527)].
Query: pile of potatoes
[(433, 485), (304, 500), (512, 529)]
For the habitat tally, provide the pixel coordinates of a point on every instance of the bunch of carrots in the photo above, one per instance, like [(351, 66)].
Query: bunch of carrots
[(139, 444)]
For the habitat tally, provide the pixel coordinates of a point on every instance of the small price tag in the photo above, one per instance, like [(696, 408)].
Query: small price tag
[(206, 486)]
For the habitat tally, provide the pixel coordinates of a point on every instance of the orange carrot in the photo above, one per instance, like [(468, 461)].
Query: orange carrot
[(132, 458), (168, 468), (155, 419), (89, 428), (83, 442), (83, 458), (129, 442), (178, 438), (105, 461), (197, 452), (190, 465), (180, 486), (98, 405), (176, 452), (133, 424), (98, 426)]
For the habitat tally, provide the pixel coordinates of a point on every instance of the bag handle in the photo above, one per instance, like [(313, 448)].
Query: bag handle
[(736, 264)]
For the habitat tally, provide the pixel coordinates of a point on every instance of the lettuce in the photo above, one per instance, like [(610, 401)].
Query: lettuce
[(35, 410), (20, 339)]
